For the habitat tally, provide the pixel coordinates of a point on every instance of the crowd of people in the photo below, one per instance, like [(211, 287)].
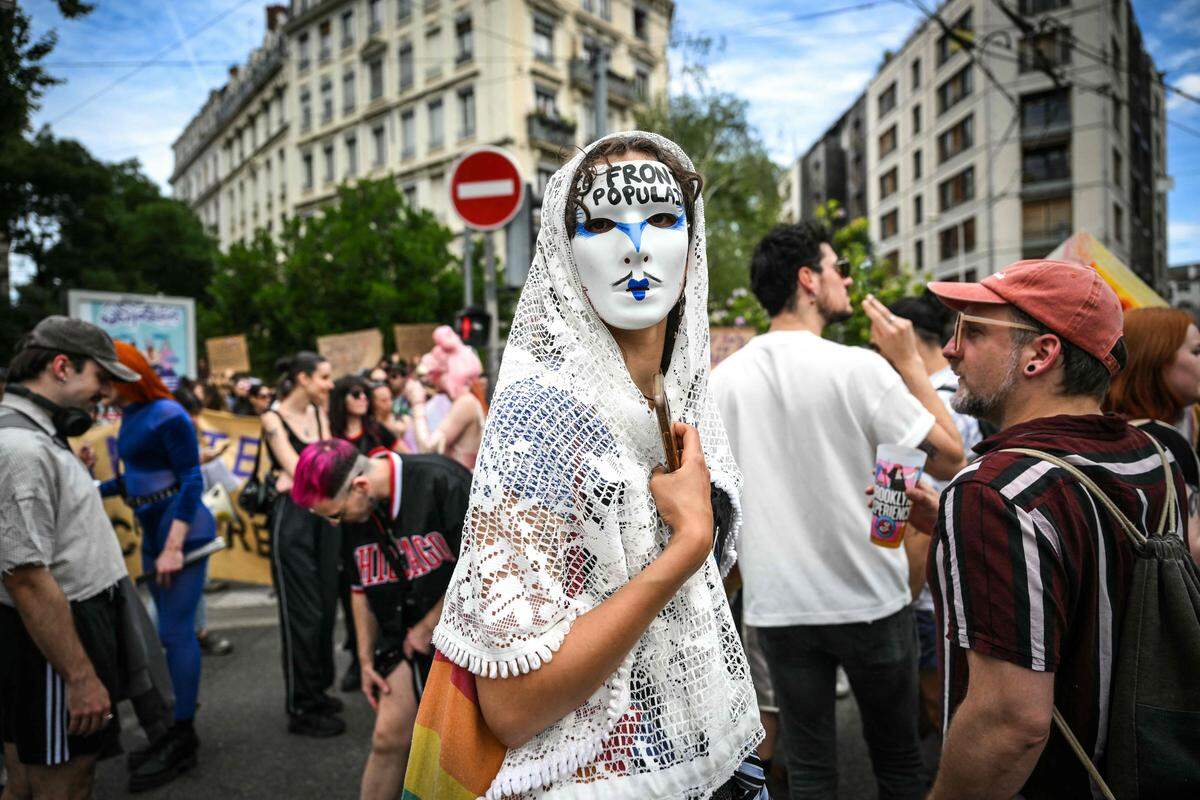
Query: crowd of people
[(536, 606)]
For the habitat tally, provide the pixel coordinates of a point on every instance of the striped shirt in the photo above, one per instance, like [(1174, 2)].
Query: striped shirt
[(1015, 563)]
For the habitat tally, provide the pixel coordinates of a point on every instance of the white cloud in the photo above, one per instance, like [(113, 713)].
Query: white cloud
[(1189, 83), (1184, 242)]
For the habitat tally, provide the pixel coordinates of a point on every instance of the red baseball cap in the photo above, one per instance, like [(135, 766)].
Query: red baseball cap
[(1072, 301)]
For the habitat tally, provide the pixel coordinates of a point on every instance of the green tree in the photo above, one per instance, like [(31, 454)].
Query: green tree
[(23, 80), (741, 191), (367, 259)]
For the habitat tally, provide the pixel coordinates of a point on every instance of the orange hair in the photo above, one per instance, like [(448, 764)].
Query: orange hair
[(1152, 337), (150, 387)]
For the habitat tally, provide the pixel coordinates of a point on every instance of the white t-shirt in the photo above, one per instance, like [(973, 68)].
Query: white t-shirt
[(804, 416)]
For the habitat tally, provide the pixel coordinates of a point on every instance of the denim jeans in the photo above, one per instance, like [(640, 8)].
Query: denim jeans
[(880, 659)]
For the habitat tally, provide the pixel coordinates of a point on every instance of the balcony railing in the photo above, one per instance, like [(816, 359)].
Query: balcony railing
[(553, 131), (619, 88)]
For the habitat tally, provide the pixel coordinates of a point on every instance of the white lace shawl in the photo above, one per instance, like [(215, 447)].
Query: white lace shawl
[(561, 516)]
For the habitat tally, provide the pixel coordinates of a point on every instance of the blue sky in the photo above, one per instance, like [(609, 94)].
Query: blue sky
[(798, 74)]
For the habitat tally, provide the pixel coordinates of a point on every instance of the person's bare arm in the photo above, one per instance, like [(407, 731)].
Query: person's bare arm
[(518, 708), (366, 631), (463, 412), (276, 438), (998, 733), (897, 343), (47, 616), (916, 547)]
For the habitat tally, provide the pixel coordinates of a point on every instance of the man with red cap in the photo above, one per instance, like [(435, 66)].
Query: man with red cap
[(1029, 574)]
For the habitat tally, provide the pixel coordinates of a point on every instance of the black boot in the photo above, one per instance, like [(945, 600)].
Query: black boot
[(316, 725), (170, 757)]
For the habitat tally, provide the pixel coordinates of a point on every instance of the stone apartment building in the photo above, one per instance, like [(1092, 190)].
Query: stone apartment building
[(344, 89)]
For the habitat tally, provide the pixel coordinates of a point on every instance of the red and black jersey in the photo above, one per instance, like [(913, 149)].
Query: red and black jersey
[(422, 518), (1026, 567)]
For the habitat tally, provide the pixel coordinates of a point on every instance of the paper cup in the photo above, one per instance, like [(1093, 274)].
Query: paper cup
[(896, 469)]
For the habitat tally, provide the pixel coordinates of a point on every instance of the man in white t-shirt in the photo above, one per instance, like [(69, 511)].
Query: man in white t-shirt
[(804, 416)]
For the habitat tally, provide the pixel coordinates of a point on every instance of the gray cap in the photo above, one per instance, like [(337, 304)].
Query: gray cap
[(78, 338)]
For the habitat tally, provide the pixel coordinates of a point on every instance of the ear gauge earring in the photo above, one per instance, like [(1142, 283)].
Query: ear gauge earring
[(1031, 368)]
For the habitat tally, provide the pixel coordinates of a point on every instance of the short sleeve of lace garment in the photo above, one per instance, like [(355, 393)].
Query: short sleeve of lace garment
[(532, 543)]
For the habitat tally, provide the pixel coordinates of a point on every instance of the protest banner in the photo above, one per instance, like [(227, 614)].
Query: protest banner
[(727, 341), (227, 354), (414, 340), (1082, 248), (351, 352), (163, 328), (248, 555)]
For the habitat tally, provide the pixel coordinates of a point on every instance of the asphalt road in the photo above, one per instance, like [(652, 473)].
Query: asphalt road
[(246, 751)]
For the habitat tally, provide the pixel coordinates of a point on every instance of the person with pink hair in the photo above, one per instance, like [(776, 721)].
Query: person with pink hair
[(454, 369)]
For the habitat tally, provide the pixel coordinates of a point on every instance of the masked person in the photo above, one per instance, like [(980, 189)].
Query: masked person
[(60, 563), (587, 600), (454, 369)]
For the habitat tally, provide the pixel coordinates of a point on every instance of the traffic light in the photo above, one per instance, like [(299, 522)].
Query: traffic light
[(472, 325)]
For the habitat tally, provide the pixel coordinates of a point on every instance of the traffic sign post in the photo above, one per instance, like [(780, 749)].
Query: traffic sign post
[(486, 191)]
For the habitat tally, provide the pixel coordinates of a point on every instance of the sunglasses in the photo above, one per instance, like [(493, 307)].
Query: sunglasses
[(1000, 323), (357, 394)]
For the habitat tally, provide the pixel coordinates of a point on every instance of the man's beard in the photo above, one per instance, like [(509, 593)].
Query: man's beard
[(831, 316), (986, 407)]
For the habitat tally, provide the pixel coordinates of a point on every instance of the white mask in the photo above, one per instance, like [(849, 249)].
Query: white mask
[(631, 243)]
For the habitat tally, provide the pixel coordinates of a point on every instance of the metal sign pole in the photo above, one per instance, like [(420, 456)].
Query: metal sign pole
[(492, 306)]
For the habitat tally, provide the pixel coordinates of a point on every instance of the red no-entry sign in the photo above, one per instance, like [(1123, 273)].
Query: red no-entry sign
[(486, 188)]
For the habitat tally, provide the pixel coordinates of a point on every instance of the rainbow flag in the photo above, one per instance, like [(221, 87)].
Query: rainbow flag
[(1082, 248), (454, 756)]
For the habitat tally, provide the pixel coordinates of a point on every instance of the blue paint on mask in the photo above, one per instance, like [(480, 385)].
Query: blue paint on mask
[(638, 288), (634, 232)]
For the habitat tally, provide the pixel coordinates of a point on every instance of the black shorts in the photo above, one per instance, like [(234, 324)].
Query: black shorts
[(389, 652), (33, 696)]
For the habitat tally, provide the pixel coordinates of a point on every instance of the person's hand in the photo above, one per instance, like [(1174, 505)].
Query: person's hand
[(893, 336), (419, 639), (88, 456), (415, 393), (169, 562), (373, 683), (684, 497), (89, 708), (924, 513)]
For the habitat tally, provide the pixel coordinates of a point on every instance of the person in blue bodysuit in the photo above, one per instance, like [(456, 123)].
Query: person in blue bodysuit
[(161, 480)]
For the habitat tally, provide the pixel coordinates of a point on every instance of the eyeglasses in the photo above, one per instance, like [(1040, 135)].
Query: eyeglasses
[(357, 394), (958, 326), (335, 518)]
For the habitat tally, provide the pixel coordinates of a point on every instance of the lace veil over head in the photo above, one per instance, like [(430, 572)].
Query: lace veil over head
[(561, 517)]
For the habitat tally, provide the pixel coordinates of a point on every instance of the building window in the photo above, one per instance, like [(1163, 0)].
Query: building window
[(436, 124), (375, 72), (348, 92), (1116, 112), (1031, 7), (410, 194), (887, 141), (1046, 219), (888, 182), (891, 260), (325, 32), (306, 162), (887, 99), (1045, 50), (919, 252), (916, 73), (326, 100), (403, 11), (433, 50), (889, 224), (351, 156), (916, 115), (641, 23), (305, 110), (953, 91), (918, 210), (605, 8), (1118, 167), (348, 28), (543, 39), (957, 239), (1118, 223), (407, 70), (956, 139), (466, 113), (956, 190), (1115, 54), (948, 45), (463, 40), (1046, 164), (641, 81), (408, 134), (1046, 110), (545, 100), (378, 146), (303, 55), (916, 164), (374, 16), (328, 152)]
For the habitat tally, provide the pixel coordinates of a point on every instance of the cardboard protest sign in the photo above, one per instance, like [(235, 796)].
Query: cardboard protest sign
[(727, 341), (248, 555), (414, 340), (351, 352), (227, 354)]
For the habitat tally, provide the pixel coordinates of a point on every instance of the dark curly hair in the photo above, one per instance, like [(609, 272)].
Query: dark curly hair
[(777, 259), (688, 179)]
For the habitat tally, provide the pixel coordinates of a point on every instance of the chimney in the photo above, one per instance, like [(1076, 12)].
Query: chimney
[(276, 16)]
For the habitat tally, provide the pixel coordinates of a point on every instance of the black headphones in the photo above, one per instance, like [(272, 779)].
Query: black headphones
[(68, 422)]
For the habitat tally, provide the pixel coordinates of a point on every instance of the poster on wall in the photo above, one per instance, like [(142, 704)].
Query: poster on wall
[(163, 328)]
